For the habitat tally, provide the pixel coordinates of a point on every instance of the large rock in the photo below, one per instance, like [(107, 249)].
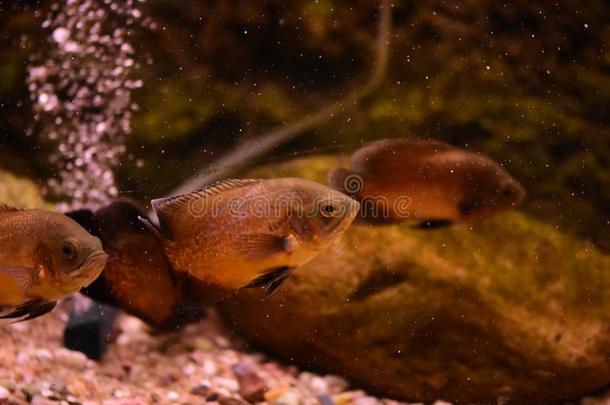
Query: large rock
[(506, 309), (20, 192)]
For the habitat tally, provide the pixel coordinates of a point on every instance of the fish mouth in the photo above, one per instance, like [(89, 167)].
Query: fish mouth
[(92, 266)]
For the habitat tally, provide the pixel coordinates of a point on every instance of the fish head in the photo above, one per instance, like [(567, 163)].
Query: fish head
[(323, 215), (73, 257), (490, 189)]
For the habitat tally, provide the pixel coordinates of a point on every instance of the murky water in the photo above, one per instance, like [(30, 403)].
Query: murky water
[(458, 288)]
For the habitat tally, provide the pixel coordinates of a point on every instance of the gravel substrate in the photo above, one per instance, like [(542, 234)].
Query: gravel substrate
[(199, 364), (195, 365)]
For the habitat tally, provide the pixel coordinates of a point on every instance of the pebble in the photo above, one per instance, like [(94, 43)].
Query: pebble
[(209, 367), (78, 388), (273, 394), (326, 400), (251, 386), (231, 401), (189, 369), (335, 383), (40, 400), (343, 398), (288, 398), (44, 354), (222, 342), (203, 344), (227, 383), (202, 390), (69, 358), (366, 401)]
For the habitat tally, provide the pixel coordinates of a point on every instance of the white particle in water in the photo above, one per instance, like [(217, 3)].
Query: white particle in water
[(101, 127), (48, 102), (81, 91), (60, 35), (71, 47)]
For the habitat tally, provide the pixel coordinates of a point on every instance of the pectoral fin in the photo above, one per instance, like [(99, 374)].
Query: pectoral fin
[(30, 310), (151, 228), (271, 280), (24, 276)]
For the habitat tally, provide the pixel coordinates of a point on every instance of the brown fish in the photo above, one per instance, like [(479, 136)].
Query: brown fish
[(44, 256), (250, 233), (427, 182), (137, 277)]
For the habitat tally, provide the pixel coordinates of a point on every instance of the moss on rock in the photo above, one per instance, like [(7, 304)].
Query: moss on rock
[(20, 192)]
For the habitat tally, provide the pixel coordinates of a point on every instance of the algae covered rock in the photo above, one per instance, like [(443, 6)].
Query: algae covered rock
[(20, 192), (505, 310)]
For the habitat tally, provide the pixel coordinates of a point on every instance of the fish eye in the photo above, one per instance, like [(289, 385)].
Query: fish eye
[(328, 210), (68, 250)]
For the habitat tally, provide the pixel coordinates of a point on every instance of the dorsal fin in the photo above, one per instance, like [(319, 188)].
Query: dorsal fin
[(370, 156), (171, 208), (8, 208)]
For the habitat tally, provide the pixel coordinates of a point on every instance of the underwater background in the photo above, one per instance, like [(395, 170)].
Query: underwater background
[(526, 83)]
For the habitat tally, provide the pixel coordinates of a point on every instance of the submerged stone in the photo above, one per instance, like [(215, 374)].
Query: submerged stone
[(20, 192), (508, 310)]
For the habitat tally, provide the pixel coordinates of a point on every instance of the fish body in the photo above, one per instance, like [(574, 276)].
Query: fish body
[(44, 256), (251, 233), (426, 182), (137, 277)]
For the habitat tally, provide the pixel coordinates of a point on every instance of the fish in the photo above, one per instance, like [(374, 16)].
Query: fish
[(250, 233), (137, 277), (427, 183), (44, 256)]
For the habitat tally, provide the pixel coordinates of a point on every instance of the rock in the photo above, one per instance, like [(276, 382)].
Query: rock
[(20, 192), (40, 400), (69, 358), (251, 386), (344, 398), (78, 388), (288, 398), (231, 401), (89, 332), (273, 394), (509, 308), (325, 400), (4, 393), (202, 390)]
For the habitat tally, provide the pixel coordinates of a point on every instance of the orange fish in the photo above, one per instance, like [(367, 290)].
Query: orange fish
[(426, 182), (44, 256), (250, 233), (137, 278)]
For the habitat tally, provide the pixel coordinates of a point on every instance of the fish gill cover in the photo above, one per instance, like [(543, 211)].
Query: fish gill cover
[(81, 88)]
